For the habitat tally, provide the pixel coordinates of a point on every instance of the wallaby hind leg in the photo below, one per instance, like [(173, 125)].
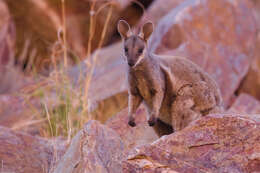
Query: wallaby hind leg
[(134, 102), (182, 109)]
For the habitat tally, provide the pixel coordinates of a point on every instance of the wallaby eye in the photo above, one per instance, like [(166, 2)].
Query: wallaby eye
[(140, 50), (126, 49)]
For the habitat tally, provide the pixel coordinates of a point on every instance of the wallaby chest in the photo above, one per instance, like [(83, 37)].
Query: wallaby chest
[(147, 82)]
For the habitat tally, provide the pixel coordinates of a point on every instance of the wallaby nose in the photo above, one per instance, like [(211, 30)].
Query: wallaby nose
[(131, 64)]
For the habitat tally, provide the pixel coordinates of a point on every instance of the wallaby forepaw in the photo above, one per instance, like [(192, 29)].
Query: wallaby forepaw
[(152, 121), (131, 123)]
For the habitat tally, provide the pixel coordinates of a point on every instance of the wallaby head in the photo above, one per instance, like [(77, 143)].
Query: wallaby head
[(135, 45)]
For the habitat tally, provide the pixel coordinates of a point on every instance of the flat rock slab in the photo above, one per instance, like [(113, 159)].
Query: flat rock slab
[(246, 104), (22, 153), (215, 143), (96, 148), (220, 40)]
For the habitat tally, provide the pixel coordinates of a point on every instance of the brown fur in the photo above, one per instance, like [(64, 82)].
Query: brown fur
[(173, 89)]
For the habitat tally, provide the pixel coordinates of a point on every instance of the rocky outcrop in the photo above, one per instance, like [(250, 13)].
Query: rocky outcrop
[(215, 143), (221, 40), (23, 153), (96, 148)]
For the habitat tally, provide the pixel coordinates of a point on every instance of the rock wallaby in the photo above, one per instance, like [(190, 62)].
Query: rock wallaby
[(173, 89)]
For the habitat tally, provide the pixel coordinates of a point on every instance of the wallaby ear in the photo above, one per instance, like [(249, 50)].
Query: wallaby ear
[(123, 28), (147, 30)]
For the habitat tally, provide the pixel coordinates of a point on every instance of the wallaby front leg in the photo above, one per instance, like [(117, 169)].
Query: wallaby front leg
[(155, 107), (134, 101)]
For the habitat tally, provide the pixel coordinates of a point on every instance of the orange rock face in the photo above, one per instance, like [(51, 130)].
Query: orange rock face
[(23, 153), (221, 40), (215, 143)]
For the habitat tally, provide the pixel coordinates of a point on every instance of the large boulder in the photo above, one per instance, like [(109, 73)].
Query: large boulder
[(215, 143), (96, 148), (220, 40), (22, 153)]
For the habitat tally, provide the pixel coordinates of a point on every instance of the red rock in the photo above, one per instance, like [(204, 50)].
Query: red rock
[(245, 104), (215, 143), (23, 153), (133, 136), (96, 148), (221, 40)]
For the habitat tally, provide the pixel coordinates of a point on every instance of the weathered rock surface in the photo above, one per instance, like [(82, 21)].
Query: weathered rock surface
[(21, 153), (133, 136), (245, 104), (96, 148), (221, 40), (215, 143)]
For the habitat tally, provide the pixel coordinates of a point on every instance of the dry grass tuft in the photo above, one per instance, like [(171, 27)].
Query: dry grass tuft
[(64, 107)]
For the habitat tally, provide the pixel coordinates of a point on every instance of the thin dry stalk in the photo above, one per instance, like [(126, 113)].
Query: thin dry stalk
[(89, 77), (64, 36), (92, 27), (48, 118)]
